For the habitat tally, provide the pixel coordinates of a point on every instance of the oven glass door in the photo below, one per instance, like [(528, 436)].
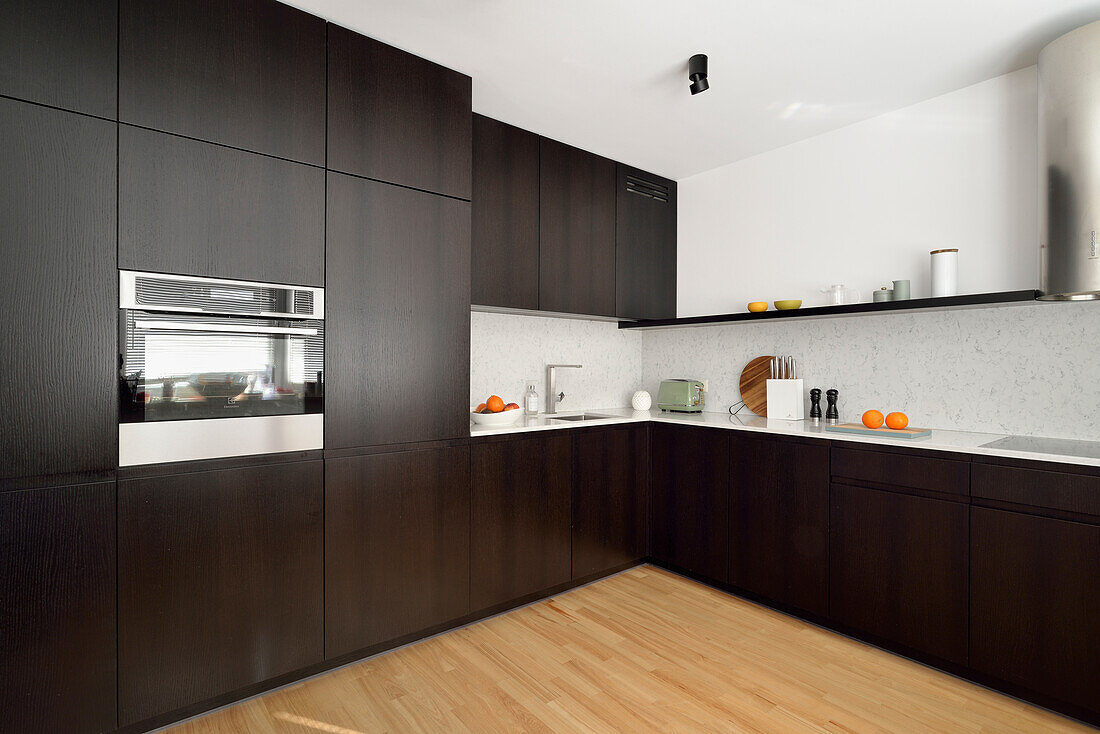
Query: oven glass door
[(184, 367)]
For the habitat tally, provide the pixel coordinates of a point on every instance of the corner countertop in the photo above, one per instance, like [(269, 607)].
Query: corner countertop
[(966, 442)]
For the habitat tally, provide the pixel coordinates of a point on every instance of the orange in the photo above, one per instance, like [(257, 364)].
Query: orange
[(872, 419), (480, 408), (494, 404), (897, 421)]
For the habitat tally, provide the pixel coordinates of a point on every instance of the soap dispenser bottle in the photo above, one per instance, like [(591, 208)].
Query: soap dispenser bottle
[(531, 399)]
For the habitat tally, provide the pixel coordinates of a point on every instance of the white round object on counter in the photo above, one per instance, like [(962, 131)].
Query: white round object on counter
[(504, 418), (641, 400), (945, 273)]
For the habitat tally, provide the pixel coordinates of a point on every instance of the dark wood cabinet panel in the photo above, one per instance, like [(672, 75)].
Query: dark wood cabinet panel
[(58, 292), (57, 619), (520, 542), (1062, 491), (610, 498), (397, 545), (779, 520), (902, 470), (505, 216), (195, 208), (898, 569), (1034, 604), (396, 117), (247, 73), (645, 245), (219, 583), (397, 353), (689, 498), (576, 231), (62, 53)]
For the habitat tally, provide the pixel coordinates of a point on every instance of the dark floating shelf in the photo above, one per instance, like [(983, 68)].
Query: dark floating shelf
[(974, 300)]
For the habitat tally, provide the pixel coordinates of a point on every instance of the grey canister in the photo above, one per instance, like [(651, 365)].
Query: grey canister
[(901, 290), (882, 295)]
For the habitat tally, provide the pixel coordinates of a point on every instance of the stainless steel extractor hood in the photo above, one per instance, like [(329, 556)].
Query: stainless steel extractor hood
[(1069, 162)]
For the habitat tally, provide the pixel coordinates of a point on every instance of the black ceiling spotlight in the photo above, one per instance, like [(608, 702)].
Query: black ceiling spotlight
[(697, 73)]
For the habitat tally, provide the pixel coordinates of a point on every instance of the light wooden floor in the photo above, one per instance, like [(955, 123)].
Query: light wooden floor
[(642, 651)]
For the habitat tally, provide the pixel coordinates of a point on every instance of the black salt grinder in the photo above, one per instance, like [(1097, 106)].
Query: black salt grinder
[(815, 406), (832, 415)]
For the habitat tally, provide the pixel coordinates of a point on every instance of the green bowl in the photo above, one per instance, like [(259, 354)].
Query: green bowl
[(788, 305)]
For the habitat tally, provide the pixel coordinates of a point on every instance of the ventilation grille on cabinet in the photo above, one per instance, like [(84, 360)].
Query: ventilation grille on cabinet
[(648, 189)]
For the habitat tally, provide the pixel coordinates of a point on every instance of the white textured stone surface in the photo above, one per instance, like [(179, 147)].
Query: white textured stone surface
[(1028, 370), (506, 349)]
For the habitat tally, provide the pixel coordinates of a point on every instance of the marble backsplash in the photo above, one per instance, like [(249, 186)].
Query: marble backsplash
[(1029, 370)]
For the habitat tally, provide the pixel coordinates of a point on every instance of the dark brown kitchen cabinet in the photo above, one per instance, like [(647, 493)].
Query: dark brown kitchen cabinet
[(645, 245), (689, 498), (505, 250), (247, 73), (397, 352), (219, 582), (61, 53), (194, 208), (397, 545), (610, 498), (58, 293), (396, 117), (519, 533), (779, 520), (898, 569), (576, 231), (1034, 606), (57, 619)]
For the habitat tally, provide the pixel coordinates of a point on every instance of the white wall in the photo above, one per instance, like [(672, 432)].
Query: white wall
[(864, 205)]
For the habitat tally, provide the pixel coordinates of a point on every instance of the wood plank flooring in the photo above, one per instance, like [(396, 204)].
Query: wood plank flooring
[(644, 651)]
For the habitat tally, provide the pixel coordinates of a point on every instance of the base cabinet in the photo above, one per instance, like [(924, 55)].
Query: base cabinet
[(57, 618), (219, 583), (397, 545), (519, 534), (610, 498), (1034, 604)]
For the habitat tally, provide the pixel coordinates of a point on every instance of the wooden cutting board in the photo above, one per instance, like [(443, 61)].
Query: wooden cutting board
[(754, 384), (862, 430)]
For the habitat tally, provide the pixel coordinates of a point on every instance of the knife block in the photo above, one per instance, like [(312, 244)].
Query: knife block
[(785, 400)]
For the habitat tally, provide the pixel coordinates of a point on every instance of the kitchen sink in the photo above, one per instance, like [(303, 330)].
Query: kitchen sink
[(579, 417)]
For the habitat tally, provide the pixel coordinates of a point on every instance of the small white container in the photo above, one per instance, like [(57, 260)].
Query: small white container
[(945, 273), (785, 401), (641, 400)]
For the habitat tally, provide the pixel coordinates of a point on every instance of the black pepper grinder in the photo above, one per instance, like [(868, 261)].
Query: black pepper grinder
[(832, 415), (815, 406)]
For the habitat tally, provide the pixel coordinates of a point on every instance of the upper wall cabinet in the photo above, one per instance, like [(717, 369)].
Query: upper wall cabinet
[(577, 231), (505, 216), (246, 73), (194, 208), (645, 245), (58, 292), (396, 117), (61, 53)]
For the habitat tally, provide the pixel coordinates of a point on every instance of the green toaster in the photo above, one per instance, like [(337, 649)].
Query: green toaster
[(680, 395)]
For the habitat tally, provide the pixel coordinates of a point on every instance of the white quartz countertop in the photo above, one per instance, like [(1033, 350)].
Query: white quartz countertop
[(967, 442)]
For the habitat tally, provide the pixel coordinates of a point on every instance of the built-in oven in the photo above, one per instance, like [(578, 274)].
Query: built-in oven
[(212, 368)]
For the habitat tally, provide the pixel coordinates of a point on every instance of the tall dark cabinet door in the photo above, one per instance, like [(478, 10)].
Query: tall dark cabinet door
[(645, 245), (195, 208), (803, 473), (898, 569), (397, 353), (577, 231), (1034, 604), (689, 491), (519, 535), (610, 498), (246, 73), (396, 117), (219, 583), (58, 292), (756, 537), (62, 53), (505, 216), (397, 545), (57, 619)]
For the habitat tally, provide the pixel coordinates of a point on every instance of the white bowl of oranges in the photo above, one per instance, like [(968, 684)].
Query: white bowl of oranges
[(495, 412)]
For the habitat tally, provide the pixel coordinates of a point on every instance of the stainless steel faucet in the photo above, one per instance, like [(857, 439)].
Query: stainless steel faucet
[(553, 397)]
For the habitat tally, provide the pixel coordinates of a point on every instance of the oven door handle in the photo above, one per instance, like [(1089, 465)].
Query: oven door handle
[(229, 328)]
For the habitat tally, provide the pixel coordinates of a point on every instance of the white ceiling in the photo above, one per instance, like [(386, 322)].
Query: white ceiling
[(610, 76)]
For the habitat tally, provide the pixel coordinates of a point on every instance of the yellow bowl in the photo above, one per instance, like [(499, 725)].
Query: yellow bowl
[(788, 304), (758, 306)]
